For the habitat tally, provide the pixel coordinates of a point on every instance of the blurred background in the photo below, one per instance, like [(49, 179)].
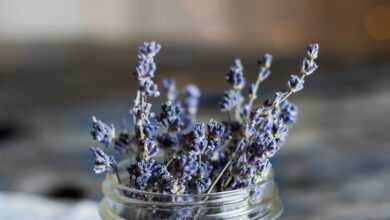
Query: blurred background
[(62, 61)]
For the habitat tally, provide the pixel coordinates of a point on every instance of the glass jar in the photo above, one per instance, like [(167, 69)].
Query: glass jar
[(260, 202)]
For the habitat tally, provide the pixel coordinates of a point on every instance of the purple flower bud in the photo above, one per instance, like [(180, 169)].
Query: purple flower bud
[(308, 66), (288, 112), (150, 148), (145, 67), (149, 129), (170, 116), (186, 166), (216, 129), (149, 49), (140, 173), (295, 83), (197, 139), (236, 76), (102, 132), (230, 99), (266, 61), (149, 88), (280, 132), (162, 179), (103, 162), (313, 50)]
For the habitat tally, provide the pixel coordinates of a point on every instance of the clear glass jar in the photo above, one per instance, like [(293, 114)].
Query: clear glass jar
[(260, 202)]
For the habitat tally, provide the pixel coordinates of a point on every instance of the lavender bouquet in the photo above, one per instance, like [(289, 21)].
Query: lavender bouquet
[(174, 153)]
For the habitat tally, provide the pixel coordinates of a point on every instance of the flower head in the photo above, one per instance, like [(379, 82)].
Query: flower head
[(230, 99), (141, 173), (146, 66), (150, 148), (313, 50), (149, 88), (103, 162), (295, 83), (308, 66), (236, 76), (170, 116), (216, 129), (288, 112), (196, 139), (102, 132)]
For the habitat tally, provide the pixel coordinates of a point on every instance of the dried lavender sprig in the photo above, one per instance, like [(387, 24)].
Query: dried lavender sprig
[(145, 71), (308, 67), (263, 74), (312, 52)]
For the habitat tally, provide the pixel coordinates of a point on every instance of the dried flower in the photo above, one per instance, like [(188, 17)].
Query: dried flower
[(235, 76), (196, 139), (216, 129), (103, 162), (288, 112), (230, 100), (102, 132), (313, 50), (197, 157), (170, 116), (295, 83), (140, 173), (150, 148), (146, 66), (149, 88)]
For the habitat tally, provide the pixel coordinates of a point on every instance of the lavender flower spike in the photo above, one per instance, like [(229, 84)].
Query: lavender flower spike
[(102, 132), (146, 66), (309, 66), (236, 76), (103, 162), (230, 99)]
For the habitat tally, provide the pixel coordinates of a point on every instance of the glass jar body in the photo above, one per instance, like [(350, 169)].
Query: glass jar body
[(259, 202)]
